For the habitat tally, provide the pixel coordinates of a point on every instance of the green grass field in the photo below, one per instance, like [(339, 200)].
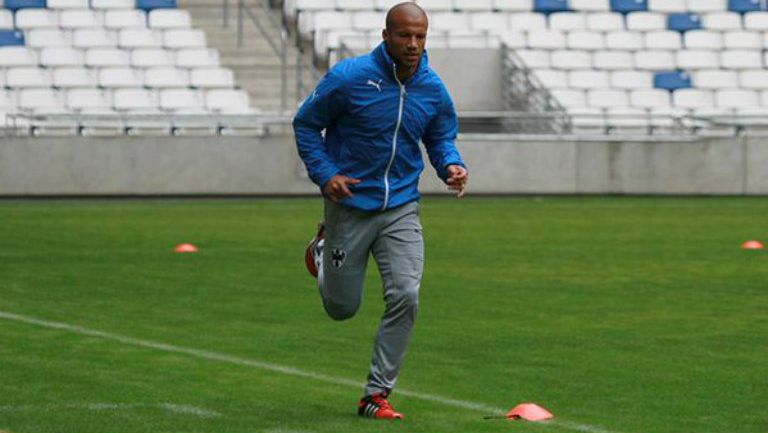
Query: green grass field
[(620, 315)]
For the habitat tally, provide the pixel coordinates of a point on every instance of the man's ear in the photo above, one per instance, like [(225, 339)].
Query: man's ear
[(384, 34)]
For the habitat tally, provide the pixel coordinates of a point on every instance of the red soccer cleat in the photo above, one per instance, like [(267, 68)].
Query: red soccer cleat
[(376, 406), (313, 257)]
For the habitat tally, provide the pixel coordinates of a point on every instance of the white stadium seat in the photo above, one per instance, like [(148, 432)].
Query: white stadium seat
[(449, 21), (330, 20), (104, 57), (764, 98), (197, 58), (513, 5), (697, 59), (67, 4), (182, 99), (94, 38), (756, 21), (140, 38), (44, 37), (61, 56), (473, 5), (532, 58), (28, 77), (702, 6), (663, 40), (74, 77), (741, 59), (169, 19), (212, 77), (6, 19), (649, 98), (120, 78), (17, 56), (703, 39), (184, 38), (87, 99), (566, 21), (2, 78), (693, 98), (587, 119), (743, 40), (166, 77), (613, 60), (436, 5), (151, 57), (7, 100), (646, 21), (655, 60), (667, 6), (227, 101), (364, 5), (733, 98), (605, 22), (715, 79), (513, 39), (80, 19), (587, 79), (585, 40), (590, 5), (368, 20), (135, 99), (571, 59), (628, 117), (570, 97), (34, 99), (552, 79), (753, 79), (623, 40), (125, 18), (36, 18), (606, 98), (113, 4), (631, 79), (489, 21), (315, 5), (721, 21), (546, 39), (527, 21)]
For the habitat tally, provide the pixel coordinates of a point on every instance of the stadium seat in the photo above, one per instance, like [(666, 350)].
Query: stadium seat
[(591, 5), (36, 18), (756, 79), (535, 59), (94, 38), (21, 4), (17, 56), (702, 6), (28, 77), (567, 21), (587, 119), (197, 58), (148, 5), (693, 98), (68, 77), (624, 40), (631, 79), (6, 20), (628, 118), (87, 99), (606, 98), (672, 80), (436, 5), (743, 40), (668, 6), (698, 59), (585, 40), (120, 78), (9, 38), (654, 60), (663, 40), (722, 21), (489, 21), (80, 19), (473, 5), (605, 22), (736, 98), (649, 98), (135, 99), (513, 39), (449, 21), (587, 79), (184, 38), (182, 99), (212, 78), (361, 5), (570, 97), (756, 21), (105, 57), (546, 39), (151, 57), (703, 39), (527, 21), (571, 59), (140, 38), (550, 6), (684, 22), (552, 79), (627, 6), (369, 20), (61, 56), (113, 4), (166, 77), (646, 21), (716, 79), (38, 99), (741, 59), (7, 100), (169, 19), (613, 60), (68, 4), (513, 5), (743, 6), (45, 37), (227, 101)]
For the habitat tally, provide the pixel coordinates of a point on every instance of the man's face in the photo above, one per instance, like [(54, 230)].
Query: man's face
[(406, 38)]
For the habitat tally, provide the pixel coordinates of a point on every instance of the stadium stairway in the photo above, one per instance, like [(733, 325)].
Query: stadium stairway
[(257, 68)]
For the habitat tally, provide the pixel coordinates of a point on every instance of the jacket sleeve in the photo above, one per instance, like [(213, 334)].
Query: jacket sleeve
[(318, 112), (440, 138)]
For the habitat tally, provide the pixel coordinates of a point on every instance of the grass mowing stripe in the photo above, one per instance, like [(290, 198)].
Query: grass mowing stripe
[(220, 357), (170, 407)]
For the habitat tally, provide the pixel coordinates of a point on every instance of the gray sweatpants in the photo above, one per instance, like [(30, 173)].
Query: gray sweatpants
[(396, 241)]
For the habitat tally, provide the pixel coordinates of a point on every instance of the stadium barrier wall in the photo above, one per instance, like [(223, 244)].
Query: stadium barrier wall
[(498, 165)]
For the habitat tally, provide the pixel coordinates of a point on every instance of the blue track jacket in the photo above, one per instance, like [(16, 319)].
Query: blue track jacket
[(373, 125)]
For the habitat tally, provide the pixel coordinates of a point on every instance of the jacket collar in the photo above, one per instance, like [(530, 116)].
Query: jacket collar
[(386, 62)]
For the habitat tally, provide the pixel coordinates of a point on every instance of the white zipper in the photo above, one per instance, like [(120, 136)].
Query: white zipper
[(394, 139)]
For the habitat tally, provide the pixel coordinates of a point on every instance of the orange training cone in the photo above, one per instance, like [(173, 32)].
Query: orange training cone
[(185, 248), (752, 245), (529, 412)]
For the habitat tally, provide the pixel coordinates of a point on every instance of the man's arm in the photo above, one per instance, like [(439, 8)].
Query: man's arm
[(440, 141)]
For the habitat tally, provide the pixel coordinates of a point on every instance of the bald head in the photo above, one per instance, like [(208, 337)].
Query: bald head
[(406, 11)]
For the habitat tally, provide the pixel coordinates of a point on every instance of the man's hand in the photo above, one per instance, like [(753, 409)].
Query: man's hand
[(457, 179), (337, 189)]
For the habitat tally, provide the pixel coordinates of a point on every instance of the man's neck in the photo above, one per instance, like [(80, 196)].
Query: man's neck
[(404, 73)]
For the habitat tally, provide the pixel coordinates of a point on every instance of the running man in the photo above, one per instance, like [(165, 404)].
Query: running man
[(374, 110)]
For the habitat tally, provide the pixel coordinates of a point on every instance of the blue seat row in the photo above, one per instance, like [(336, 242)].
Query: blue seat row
[(11, 38), (741, 6), (140, 4), (672, 80)]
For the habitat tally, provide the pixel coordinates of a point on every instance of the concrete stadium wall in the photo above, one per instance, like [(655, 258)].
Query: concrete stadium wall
[(498, 165)]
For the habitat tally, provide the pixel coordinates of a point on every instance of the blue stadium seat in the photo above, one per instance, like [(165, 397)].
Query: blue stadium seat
[(21, 4), (11, 37), (672, 80), (550, 6), (743, 6), (684, 22), (148, 5), (627, 6)]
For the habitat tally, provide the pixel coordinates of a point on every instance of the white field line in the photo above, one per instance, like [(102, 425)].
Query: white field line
[(229, 359), (170, 407)]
